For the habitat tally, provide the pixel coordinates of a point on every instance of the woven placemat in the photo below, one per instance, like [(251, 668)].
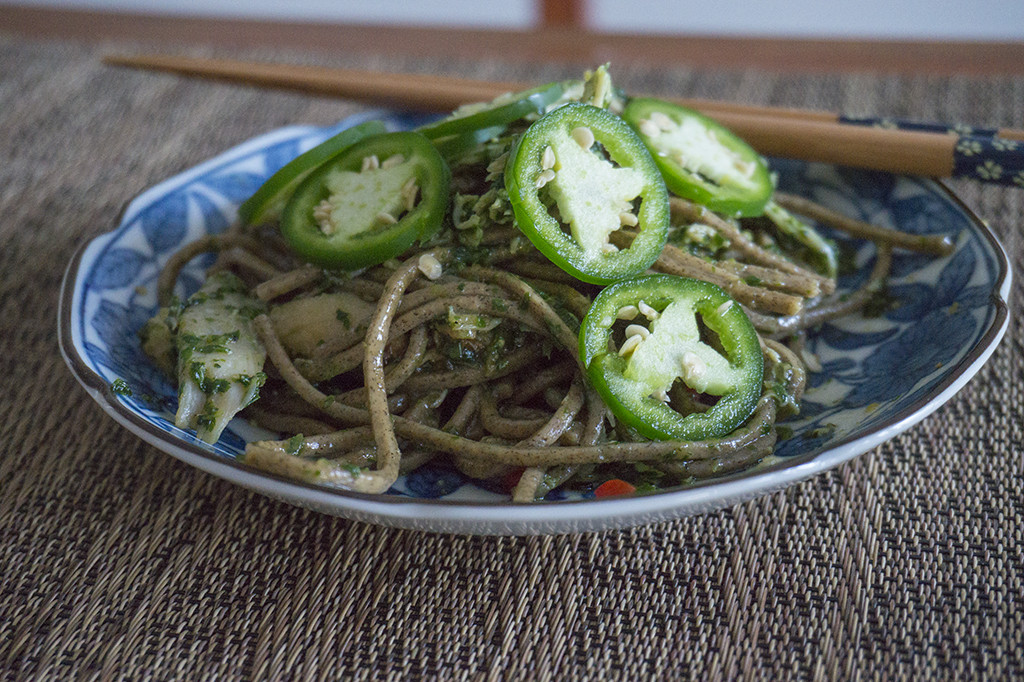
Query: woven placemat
[(117, 561)]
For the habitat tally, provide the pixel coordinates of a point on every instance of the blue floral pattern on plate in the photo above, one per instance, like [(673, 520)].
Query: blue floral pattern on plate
[(880, 375)]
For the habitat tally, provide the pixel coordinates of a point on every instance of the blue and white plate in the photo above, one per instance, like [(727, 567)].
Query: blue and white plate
[(880, 375)]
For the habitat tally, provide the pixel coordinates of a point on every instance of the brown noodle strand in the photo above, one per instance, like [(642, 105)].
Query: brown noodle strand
[(510, 409), (721, 464), (798, 376), (529, 482), (442, 441), (322, 369), (245, 260), (542, 271), (267, 456), (787, 282), (169, 274), (415, 355), (468, 376), (687, 211), (553, 477), (831, 309), (503, 427), (932, 245), (365, 289), (287, 423), (325, 403), (483, 305), (447, 290), (597, 411), (345, 439), (561, 420), (414, 459), (388, 451), (466, 409), (756, 429), (758, 298), (287, 282), (675, 261), (542, 380), (533, 300), (577, 303)]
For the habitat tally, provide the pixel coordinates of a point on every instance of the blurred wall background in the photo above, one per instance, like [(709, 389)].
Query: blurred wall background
[(976, 20)]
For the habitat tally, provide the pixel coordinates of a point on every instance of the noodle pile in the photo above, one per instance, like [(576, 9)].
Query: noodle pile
[(466, 350)]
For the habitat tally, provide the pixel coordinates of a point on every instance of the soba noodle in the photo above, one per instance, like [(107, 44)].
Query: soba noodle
[(466, 350)]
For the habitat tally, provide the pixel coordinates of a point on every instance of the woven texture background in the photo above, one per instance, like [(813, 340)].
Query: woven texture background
[(117, 561)]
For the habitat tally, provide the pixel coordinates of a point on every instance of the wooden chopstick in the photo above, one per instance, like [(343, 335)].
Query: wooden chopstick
[(715, 107), (789, 133), (427, 92)]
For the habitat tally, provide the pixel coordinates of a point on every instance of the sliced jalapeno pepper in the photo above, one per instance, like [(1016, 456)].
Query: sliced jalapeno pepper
[(266, 204), (578, 175), (454, 147), (499, 112), (642, 335), (702, 160), (370, 203)]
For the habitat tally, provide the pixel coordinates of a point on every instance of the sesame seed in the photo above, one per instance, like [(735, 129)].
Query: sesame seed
[(409, 192), (630, 345), (370, 163), (393, 160), (430, 266), (584, 136), (627, 312), (637, 330), (663, 122), (547, 159), (746, 168), (649, 128), (694, 371), (648, 312), (661, 394), (545, 177), (322, 216)]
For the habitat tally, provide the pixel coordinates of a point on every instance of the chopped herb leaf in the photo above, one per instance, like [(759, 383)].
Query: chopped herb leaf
[(293, 445), (120, 387)]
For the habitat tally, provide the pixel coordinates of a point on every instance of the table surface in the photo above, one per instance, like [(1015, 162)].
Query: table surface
[(117, 561)]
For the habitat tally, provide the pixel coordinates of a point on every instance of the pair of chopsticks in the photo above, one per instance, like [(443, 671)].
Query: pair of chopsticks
[(894, 146)]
